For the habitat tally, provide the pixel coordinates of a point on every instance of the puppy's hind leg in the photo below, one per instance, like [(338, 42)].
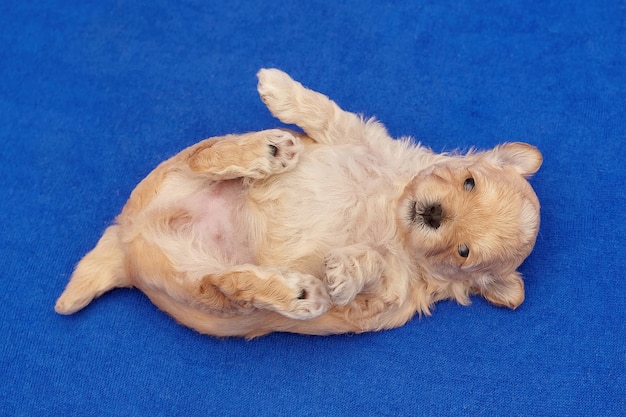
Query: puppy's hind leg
[(99, 271), (320, 118), (254, 155), (290, 293)]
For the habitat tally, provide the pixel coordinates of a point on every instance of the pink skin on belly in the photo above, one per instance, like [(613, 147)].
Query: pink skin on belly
[(218, 218)]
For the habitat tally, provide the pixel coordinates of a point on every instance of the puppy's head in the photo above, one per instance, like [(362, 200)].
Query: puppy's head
[(471, 221)]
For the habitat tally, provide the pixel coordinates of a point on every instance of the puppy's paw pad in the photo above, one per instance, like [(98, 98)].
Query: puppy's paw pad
[(283, 149), (311, 299)]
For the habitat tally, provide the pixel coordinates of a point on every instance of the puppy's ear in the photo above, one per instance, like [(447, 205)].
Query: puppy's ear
[(525, 158), (507, 291)]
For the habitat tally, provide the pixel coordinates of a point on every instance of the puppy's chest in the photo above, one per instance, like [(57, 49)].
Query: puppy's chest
[(329, 199), (331, 187)]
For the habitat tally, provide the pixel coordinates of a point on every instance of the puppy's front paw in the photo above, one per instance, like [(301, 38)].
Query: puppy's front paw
[(350, 270), (343, 280), (283, 149), (311, 299)]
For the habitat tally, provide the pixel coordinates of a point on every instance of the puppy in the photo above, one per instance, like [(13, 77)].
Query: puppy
[(337, 229)]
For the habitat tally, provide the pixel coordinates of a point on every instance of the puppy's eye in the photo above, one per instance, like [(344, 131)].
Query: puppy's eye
[(469, 184), (464, 250)]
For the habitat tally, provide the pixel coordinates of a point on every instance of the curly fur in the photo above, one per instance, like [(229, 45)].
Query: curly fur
[(337, 229)]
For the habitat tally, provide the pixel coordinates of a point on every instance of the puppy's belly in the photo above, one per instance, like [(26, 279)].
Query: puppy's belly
[(217, 221)]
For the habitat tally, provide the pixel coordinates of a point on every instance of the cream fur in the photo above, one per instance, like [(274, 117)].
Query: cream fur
[(337, 229)]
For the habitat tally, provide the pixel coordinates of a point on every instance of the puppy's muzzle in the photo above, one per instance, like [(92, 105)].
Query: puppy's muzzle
[(433, 216)]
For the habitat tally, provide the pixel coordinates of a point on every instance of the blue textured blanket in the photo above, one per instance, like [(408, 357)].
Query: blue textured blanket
[(94, 94)]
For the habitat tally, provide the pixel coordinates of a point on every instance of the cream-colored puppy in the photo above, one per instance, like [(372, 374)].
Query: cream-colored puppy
[(339, 229)]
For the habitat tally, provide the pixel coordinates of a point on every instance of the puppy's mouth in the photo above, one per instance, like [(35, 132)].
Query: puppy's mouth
[(426, 214)]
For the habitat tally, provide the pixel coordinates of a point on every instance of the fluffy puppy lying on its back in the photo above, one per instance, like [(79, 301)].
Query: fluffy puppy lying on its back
[(339, 229)]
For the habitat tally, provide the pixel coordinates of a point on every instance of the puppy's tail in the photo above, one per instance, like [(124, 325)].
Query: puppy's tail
[(99, 271)]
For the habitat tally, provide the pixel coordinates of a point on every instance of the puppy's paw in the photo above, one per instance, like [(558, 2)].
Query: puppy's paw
[(283, 149), (273, 84), (343, 277), (352, 269), (310, 297), (277, 91)]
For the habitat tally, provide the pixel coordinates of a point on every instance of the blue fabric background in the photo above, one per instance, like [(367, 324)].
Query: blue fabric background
[(93, 94)]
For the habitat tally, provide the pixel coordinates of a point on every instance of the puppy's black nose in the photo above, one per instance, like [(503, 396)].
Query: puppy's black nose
[(432, 215)]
